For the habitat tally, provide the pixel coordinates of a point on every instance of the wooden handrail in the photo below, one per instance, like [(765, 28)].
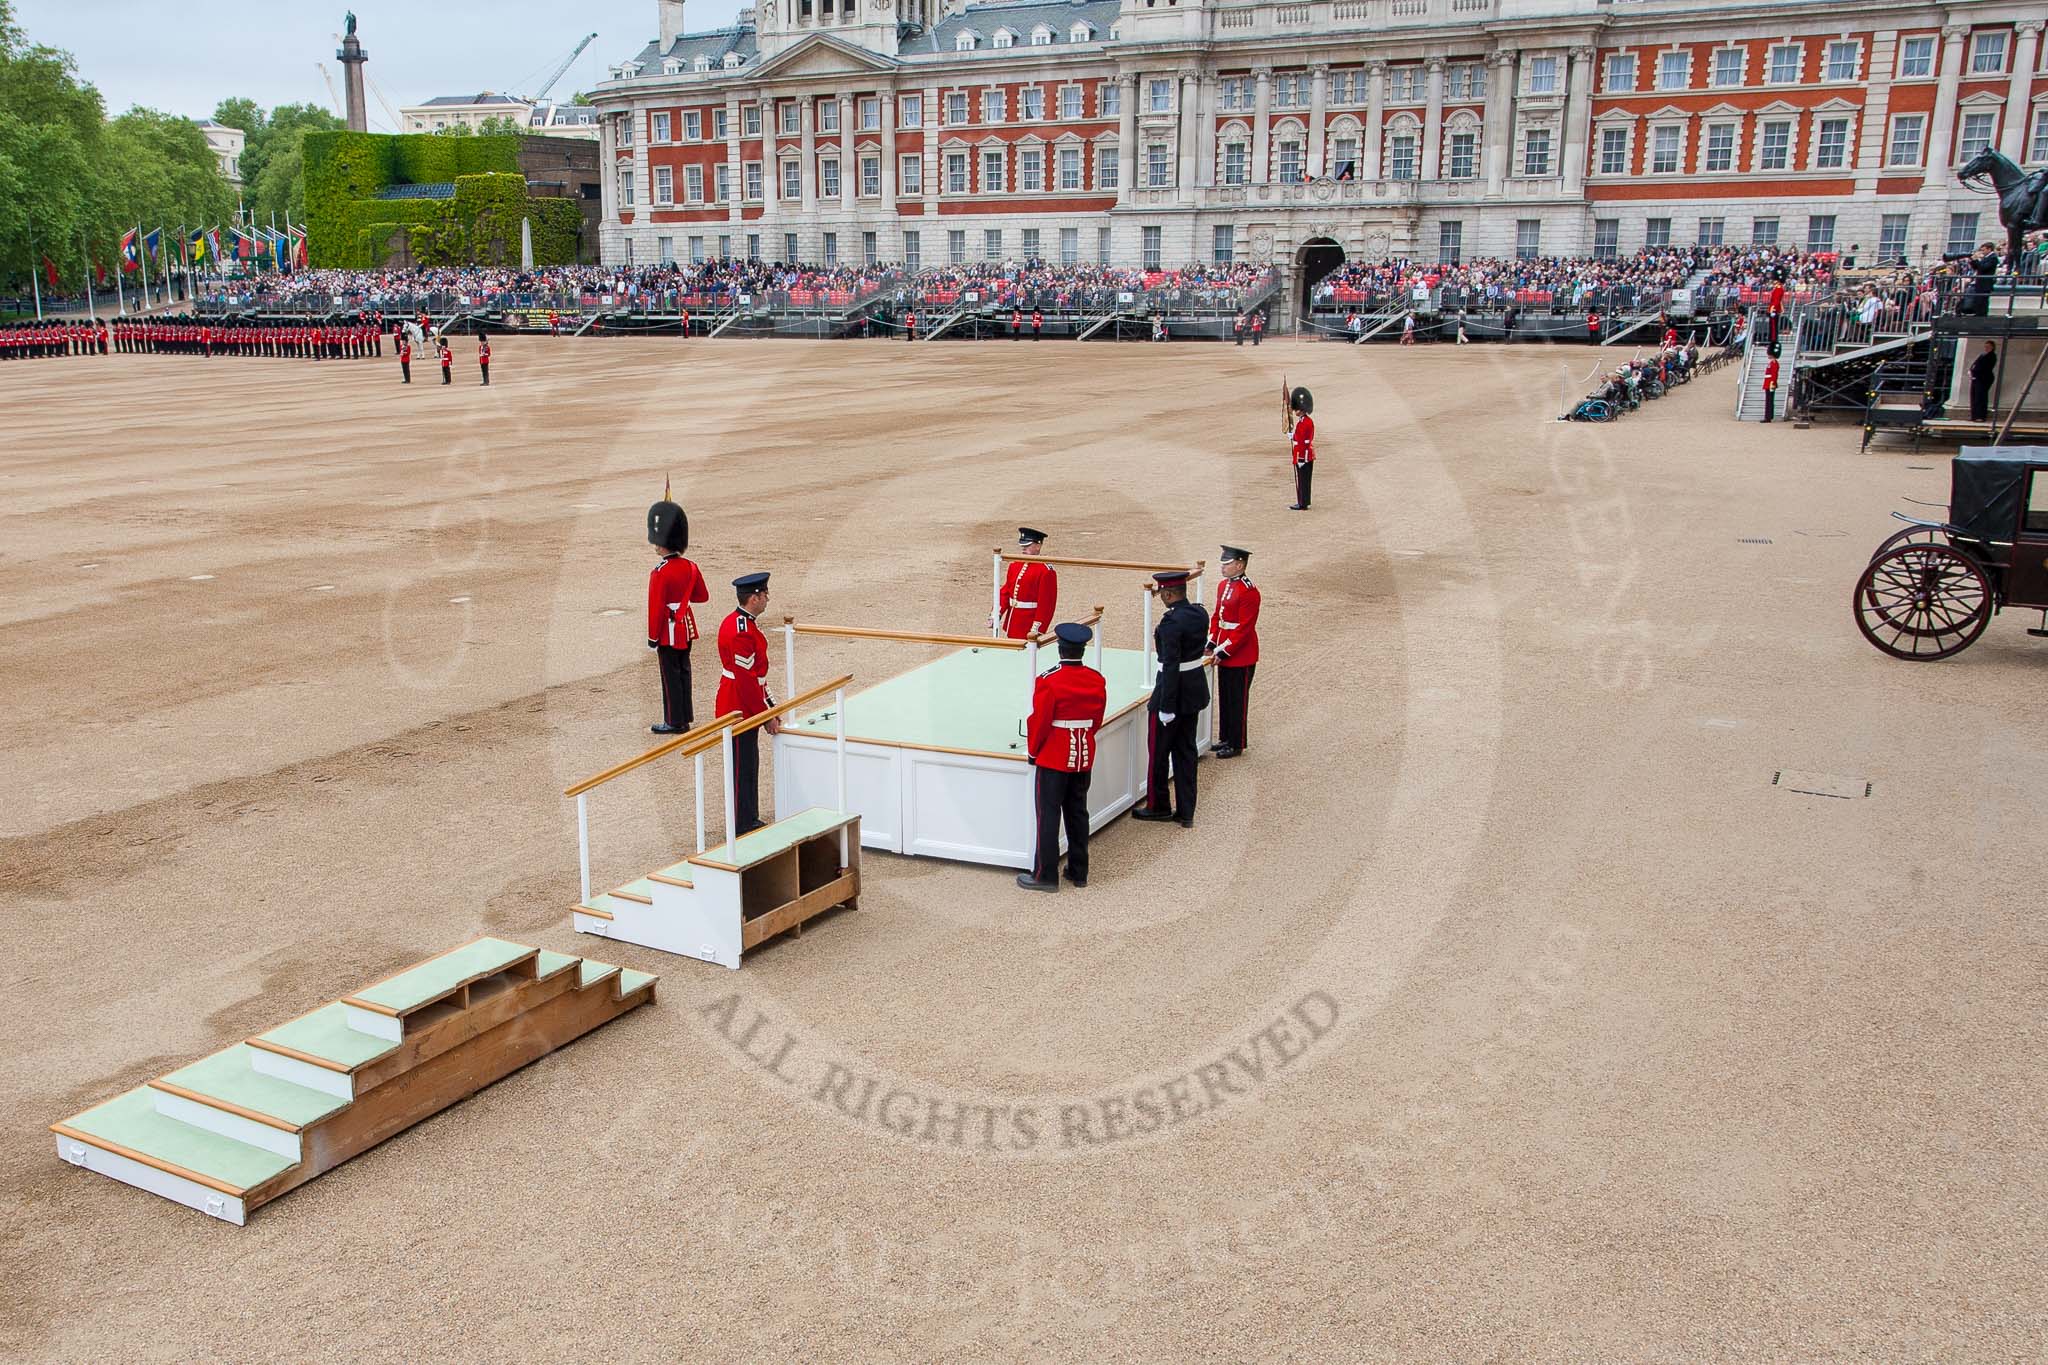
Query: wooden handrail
[(1094, 563), (903, 636), (762, 717), (666, 747), (1195, 572), (1093, 618)]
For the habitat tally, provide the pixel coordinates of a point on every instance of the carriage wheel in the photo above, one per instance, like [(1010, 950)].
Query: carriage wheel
[(1912, 535), (1923, 602)]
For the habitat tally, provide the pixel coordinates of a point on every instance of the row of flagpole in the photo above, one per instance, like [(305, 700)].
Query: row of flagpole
[(285, 250)]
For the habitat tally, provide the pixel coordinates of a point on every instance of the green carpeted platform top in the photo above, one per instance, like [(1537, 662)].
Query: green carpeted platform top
[(770, 840), (230, 1076), (325, 1033), (131, 1121), (436, 977)]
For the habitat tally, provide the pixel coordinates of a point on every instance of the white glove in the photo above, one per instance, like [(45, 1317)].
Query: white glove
[(1166, 718)]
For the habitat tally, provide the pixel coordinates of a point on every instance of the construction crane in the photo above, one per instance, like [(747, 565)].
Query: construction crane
[(567, 62), (333, 95)]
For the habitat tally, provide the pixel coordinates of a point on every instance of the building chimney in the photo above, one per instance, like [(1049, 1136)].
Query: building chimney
[(671, 23)]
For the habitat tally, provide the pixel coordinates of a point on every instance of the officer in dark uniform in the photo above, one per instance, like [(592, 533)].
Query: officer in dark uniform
[(1179, 695)]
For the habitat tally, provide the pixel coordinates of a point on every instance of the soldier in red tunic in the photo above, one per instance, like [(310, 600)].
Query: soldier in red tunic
[(483, 359), (1031, 592), (1066, 712), (742, 687), (1234, 650), (672, 585), (1302, 446), (405, 358)]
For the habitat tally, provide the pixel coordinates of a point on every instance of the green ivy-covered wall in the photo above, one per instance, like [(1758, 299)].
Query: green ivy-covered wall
[(349, 228)]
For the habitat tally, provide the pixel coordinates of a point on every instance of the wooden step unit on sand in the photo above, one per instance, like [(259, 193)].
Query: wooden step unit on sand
[(245, 1125)]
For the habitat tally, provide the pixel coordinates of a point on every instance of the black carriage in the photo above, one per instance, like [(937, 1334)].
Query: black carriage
[(1930, 589)]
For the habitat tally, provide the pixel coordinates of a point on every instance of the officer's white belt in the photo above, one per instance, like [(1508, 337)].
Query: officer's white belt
[(1073, 725), (1226, 625), (1191, 665), (1023, 604)]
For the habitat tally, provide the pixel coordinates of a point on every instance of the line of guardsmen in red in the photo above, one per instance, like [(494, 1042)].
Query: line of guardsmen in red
[(53, 337), (346, 340)]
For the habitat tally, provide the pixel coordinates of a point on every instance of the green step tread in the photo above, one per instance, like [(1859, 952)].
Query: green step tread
[(591, 972), (770, 840), (230, 1076), (437, 976), (680, 872), (630, 981), (604, 903), (325, 1033), (552, 962), (131, 1121), (643, 887)]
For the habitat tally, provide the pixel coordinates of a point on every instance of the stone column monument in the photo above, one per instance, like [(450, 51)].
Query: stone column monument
[(351, 56)]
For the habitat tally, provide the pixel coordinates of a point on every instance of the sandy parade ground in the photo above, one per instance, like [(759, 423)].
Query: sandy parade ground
[(1506, 1002)]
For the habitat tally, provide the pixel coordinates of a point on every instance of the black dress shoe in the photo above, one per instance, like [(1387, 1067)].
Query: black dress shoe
[(1031, 883), (1072, 880), (1225, 751), (1296, 507), (663, 729), (1147, 813), (1185, 821)]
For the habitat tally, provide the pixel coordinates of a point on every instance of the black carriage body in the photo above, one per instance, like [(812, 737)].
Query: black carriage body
[(1998, 509)]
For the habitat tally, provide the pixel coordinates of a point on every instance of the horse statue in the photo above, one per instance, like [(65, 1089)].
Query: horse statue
[(2022, 198)]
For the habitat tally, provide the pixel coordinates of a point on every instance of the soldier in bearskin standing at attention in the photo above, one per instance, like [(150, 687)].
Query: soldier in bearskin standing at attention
[(674, 584)]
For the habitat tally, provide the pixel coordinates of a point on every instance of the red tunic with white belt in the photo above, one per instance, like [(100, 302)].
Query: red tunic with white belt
[(1234, 625), (672, 585), (1066, 711), (1031, 592), (742, 666), (1304, 450)]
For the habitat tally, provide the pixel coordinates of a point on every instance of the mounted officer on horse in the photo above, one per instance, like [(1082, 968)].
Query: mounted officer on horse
[(2022, 198)]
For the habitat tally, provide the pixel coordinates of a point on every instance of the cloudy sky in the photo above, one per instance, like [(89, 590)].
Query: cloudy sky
[(186, 58)]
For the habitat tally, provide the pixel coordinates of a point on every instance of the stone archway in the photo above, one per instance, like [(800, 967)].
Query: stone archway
[(1317, 257)]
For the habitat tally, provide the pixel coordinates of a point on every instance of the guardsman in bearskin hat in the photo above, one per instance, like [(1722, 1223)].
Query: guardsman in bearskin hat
[(742, 687), (672, 585), (1066, 713), (1234, 650), (1302, 453), (1179, 694), (1031, 592)]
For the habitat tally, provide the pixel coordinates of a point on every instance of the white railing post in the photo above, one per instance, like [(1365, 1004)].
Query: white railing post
[(732, 837), (700, 801), (995, 593), (1099, 632), (1145, 627), (583, 839), (839, 743), (789, 658)]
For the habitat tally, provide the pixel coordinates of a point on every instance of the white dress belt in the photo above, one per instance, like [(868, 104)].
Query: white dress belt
[(1023, 604), (1226, 625), (1073, 725), (1191, 665), (727, 673)]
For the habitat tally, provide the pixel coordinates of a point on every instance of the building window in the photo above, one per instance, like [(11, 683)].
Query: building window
[(1081, 33), (1236, 159), (2037, 145), (750, 121), (665, 250), (964, 43), (956, 172), (1450, 241), (831, 248), (993, 179), (1720, 147), (1763, 232), (1831, 150), (913, 249), (1536, 152), (658, 127), (1158, 170), (1916, 57), (753, 246), (1665, 144), (1614, 151), (790, 254), (956, 247), (696, 251), (626, 188), (1543, 75), (721, 125), (1070, 246), (1620, 78), (1149, 247), (792, 117), (910, 174), (1004, 38), (751, 173), (625, 131), (1034, 104), (870, 177), (1842, 61), (867, 248), (1159, 96), (1606, 238), (992, 244), (721, 182), (1528, 238), (1962, 233), (1820, 232), (1102, 233), (693, 184), (992, 106), (1712, 231), (910, 111), (1109, 99), (1891, 236), (1344, 156), (1030, 170), (693, 126), (1656, 232), (1288, 162), (1041, 36), (1223, 244), (1977, 132), (1728, 65), (664, 186), (870, 112), (828, 178), (1674, 69), (1774, 146), (1107, 168), (1401, 156), (1233, 93), (1070, 101), (1464, 82), (792, 180), (1404, 85), (956, 107), (1905, 146), (1987, 54), (1070, 168), (828, 115), (1030, 247)]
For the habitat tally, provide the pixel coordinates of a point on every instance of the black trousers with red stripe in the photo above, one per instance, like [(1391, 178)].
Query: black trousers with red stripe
[(1233, 701), (676, 709), (1061, 796), (746, 782), (1173, 743), (1304, 474)]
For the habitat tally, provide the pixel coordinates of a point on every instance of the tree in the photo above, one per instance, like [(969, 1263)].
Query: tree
[(455, 130), (270, 135), (499, 125)]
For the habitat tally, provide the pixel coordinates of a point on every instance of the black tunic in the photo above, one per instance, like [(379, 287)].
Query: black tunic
[(1180, 638)]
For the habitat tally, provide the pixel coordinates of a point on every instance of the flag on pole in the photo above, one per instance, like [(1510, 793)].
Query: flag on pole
[(131, 258), (154, 243), (50, 271), (196, 248), (99, 273), (299, 247), (213, 245), (245, 245)]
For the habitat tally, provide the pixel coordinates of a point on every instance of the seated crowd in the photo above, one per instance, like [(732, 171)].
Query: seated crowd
[(1570, 283)]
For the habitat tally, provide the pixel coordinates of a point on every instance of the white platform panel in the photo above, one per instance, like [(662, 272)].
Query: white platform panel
[(190, 1193)]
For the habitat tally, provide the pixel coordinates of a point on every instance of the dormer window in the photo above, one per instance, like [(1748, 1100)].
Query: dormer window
[(701, 64), (1080, 33), (732, 61), (1041, 36), (1004, 38), (630, 70), (965, 42), (672, 67)]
